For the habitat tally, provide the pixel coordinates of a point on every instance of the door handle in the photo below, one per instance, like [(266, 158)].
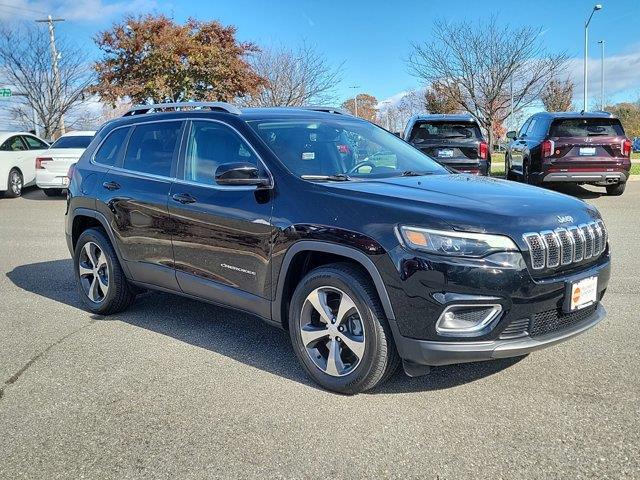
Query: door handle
[(183, 198), (111, 186)]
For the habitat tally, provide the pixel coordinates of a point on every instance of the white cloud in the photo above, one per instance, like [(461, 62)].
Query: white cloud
[(73, 10), (620, 73)]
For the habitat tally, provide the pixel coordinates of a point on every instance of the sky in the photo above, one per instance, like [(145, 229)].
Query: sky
[(372, 39)]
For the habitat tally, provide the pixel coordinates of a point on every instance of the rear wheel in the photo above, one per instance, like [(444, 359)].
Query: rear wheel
[(509, 175), (101, 283), (15, 184), (616, 189), (339, 331), (52, 192)]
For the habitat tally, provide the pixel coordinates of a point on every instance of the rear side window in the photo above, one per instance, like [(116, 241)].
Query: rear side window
[(107, 153), (151, 148), (425, 131), (73, 141), (35, 143), (586, 127), (13, 144)]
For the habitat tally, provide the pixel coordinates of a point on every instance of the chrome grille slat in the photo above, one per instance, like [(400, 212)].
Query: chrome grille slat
[(564, 246)]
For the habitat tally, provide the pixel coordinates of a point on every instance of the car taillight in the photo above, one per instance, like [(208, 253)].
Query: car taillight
[(547, 148), (483, 150), (72, 168), (626, 147), (41, 160)]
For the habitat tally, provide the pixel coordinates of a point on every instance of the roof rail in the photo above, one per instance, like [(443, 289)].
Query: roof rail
[(219, 106), (321, 108)]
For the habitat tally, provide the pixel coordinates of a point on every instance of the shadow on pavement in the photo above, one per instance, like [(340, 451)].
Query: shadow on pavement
[(34, 193), (579, 191), (227, 332)]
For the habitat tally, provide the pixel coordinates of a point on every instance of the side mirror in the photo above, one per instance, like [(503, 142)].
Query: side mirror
[(237, 174), (512, 134)]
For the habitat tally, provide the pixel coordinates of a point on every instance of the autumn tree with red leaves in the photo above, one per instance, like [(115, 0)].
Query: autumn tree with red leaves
[(151, 59)]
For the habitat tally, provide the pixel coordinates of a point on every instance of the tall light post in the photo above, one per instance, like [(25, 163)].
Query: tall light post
[(586, 48), (355, 99), (601, 42), (54, 62)]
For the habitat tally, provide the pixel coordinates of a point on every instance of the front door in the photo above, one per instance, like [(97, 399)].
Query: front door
[(135, 195), (222, 234)]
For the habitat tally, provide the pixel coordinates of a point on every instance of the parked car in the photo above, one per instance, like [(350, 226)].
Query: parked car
[(636, 144), (366, 266), (452, 140), (583, 148), (52, 166), (18, 152)]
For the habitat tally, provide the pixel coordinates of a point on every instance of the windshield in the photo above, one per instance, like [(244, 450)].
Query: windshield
[(73, 141), (426, 131), (342, 147), (586, 127)]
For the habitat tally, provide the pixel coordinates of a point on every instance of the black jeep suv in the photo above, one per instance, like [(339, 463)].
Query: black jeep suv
[(452, 140), (572, 147), (366, 250)]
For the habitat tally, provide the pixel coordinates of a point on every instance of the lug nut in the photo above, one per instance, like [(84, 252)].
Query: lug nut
[(341, 328), (333, 320), (338, 339)]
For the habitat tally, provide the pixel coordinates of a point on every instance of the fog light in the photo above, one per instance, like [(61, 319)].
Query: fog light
[(466, 320)]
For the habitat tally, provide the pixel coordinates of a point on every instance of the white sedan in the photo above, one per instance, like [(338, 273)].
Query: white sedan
[(18, 152), (52, 166)]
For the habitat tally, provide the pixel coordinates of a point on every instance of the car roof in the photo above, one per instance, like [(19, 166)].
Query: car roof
[(447, 117), (598, 114), (79, 133), (6, 134)]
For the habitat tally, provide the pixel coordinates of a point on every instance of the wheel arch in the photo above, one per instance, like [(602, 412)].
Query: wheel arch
[(295, 265), (84, 218), (5, 180)]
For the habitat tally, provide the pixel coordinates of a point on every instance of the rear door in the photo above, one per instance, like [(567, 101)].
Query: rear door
[(222, 236), (36, 148), (588, 144), (518, 146), (134, 195)]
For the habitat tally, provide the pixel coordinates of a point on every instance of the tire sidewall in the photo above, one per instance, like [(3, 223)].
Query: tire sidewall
[(10, 193), (325, 277), (97, 237)]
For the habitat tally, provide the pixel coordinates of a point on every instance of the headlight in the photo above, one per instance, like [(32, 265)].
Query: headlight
[(459, 244)]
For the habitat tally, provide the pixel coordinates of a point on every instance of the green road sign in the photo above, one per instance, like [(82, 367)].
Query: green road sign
[(5, 92)]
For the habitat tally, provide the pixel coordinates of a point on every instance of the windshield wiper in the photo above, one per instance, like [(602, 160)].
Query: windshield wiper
[(338, 177), (410, 173)]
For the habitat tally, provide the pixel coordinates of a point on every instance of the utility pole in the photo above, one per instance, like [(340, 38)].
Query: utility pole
[(355, 100), (601, 42), (54, 62)]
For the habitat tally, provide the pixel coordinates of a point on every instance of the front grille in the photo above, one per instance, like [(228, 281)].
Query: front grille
[(564, 246), (552, 321)]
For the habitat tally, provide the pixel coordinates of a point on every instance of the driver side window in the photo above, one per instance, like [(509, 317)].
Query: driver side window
[(211, 144)]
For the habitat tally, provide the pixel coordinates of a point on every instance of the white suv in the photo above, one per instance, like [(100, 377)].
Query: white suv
[(52, 166)]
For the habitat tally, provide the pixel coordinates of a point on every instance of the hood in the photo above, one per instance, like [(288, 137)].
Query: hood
[(475, 204)]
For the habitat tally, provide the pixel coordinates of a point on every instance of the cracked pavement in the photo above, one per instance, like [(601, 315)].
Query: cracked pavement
[(174, 388)]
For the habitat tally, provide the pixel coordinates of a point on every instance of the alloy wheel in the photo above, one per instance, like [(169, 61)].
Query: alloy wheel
[(16, 183), (94, 272), (332, 331)]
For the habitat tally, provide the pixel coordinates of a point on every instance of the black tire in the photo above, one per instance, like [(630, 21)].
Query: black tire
[(15, 182), (509, 175), (525, 172), (119, 293), (52, 192), (616, 189), (380, 358)]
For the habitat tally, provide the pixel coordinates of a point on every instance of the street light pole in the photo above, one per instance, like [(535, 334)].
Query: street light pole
[(586, 48), (601, 42), (355, 100), (54, 60)]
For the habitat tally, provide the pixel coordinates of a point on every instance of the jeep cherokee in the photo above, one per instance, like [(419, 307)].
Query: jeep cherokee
[(366, 250), (573, 147)]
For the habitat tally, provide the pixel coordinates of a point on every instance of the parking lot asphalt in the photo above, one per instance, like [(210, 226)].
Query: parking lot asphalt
[(174, 388)]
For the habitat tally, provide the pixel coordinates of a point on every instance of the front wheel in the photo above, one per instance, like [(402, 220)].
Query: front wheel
[(339, 331), (15, 184), (616, 189), (101, 283)]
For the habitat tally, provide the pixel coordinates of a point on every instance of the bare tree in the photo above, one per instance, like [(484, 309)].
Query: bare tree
[(439, 99), (477, 62), (294, 78), (25, 60), (558, 95)]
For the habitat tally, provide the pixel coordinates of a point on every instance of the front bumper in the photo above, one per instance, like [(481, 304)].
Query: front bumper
[(423, 352)]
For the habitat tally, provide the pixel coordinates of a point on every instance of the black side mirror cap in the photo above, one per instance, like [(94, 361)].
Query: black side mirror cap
[(241, 173), (512, 134)]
